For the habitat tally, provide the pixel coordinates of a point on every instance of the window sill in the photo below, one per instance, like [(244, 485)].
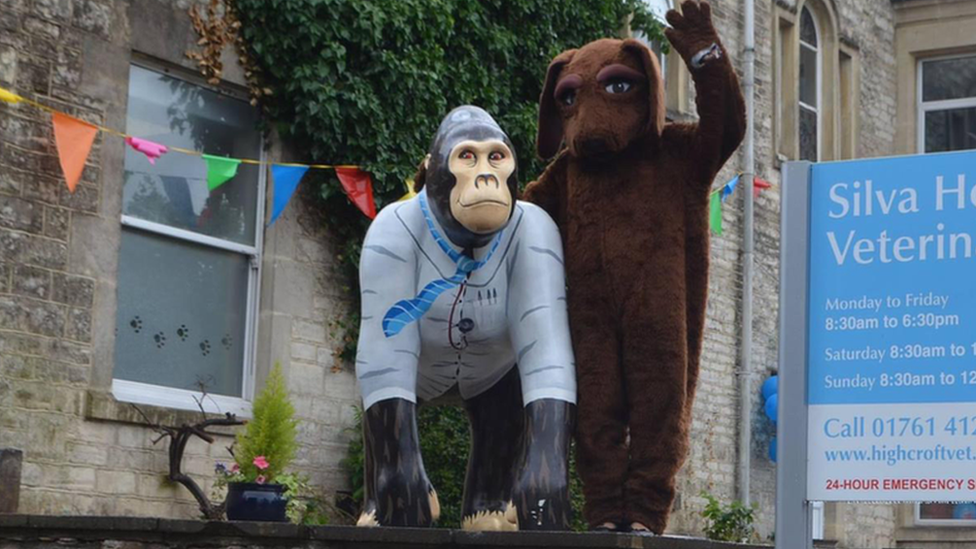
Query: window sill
[(104, 406)]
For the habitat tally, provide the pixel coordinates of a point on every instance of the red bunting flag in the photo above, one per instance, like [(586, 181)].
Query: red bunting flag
[(759, 185), (74, 140), (359, 188)]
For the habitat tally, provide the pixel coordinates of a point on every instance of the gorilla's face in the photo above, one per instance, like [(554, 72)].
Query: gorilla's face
[(480, 199), (471, 177)]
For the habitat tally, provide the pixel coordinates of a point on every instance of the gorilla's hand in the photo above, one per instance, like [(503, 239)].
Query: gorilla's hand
[(541, 494), (398, 492), (692, 33)]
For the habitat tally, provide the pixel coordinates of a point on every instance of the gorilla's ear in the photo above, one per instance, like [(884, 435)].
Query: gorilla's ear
[(655, 86), (420, 177), (550, 133)]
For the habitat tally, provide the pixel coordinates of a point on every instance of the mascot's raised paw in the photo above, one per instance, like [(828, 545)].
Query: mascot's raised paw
[(692, 33)]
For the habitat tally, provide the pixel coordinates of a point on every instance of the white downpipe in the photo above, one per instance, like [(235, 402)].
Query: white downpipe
[(745, 356)]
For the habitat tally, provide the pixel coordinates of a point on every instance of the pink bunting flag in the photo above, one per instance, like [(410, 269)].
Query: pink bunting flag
[(150, 149)]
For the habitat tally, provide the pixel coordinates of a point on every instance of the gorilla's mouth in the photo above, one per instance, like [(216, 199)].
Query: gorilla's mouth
[(483, 202)]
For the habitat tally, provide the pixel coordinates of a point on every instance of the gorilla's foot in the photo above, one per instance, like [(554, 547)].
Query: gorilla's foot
[(435, 506), (368, 519), (492, 521)]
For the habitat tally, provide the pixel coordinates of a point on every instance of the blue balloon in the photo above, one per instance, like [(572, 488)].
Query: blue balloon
[(770, 387), (772, 407), (772, 449)]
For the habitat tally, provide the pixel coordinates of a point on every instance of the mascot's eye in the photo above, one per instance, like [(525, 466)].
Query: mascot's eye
[(618, 86), (466, 155), (569, 97), (496, 156)]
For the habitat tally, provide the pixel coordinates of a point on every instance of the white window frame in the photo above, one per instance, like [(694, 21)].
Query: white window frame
[(940, 522), (923, 107), (818, 75), (661, 57), (817, 519), (181, 399)]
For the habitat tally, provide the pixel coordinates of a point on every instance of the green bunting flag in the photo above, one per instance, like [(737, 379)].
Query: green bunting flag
[(219, 170), (715, 213)]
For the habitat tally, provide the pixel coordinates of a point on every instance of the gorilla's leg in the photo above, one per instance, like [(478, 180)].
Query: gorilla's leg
[(655, 368), (542, 489), (398, 492), (602, 409), (497, 427)]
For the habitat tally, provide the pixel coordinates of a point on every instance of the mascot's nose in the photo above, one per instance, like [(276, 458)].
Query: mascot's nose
[(594, 146), (485, 179)]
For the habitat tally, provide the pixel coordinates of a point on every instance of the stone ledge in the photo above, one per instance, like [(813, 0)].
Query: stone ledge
[(70, 532)]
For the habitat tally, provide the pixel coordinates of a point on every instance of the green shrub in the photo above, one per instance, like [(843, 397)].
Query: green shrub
[(271, 432), (733, 522)]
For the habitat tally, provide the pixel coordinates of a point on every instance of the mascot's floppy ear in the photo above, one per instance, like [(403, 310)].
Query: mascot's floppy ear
[(655, 86), (550, 134), (420, 177)]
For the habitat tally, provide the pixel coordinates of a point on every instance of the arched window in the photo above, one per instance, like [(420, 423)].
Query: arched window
[(810, 87), (816, 86)]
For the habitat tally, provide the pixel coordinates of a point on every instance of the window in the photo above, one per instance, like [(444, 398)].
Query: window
[(947, 104), (816, 84), (945, 514), (188, 260), (810, 89)]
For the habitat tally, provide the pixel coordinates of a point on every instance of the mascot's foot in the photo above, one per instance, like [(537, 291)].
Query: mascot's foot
[(492, 521), (640, 529), (611, 527), (368, 519)]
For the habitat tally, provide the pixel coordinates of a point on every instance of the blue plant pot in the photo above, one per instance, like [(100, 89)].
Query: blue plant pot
[(258, 502)]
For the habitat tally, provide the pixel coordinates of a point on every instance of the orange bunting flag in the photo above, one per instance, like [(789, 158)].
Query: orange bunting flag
[(359, 189), (74, 140)]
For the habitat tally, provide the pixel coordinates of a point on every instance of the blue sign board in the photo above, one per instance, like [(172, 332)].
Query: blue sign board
[(891, 365)]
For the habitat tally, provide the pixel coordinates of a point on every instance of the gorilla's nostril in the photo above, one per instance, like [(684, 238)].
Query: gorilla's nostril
[(594, 145)]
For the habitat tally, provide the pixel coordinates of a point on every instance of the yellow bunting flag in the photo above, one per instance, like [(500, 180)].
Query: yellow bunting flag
[(9, 96), (74, 140), (410, 192)]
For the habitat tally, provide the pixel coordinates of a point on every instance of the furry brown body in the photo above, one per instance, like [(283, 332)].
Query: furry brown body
[(630, 195)]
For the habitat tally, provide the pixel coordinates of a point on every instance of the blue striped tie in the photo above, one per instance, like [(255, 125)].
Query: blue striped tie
[(405, 311)]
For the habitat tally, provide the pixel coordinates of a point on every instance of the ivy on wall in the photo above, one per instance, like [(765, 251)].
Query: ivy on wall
[(367, 81)]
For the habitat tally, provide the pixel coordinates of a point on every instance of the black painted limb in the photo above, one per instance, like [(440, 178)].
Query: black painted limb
[(497, 425), (397, 487), (542, 488)]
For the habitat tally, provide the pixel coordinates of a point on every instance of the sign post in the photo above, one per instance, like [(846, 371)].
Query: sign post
[(878, 334)]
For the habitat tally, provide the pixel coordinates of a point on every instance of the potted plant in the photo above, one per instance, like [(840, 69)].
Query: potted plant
[(258, 488)]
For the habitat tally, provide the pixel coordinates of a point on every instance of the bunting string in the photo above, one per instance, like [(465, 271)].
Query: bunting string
[(718, 196), (74, 138)]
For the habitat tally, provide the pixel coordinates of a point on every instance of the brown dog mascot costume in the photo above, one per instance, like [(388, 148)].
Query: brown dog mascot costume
[(630, 196)]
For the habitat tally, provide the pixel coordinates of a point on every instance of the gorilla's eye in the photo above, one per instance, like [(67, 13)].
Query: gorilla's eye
[(569, 97), (618, 86), (466, 155), (496, 156)]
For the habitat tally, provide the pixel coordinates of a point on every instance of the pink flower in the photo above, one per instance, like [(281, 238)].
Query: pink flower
[(235, 468), (261, 479), (261, 463)]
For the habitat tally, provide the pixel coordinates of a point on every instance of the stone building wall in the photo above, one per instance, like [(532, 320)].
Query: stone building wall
[(85, 453), (869, 28)]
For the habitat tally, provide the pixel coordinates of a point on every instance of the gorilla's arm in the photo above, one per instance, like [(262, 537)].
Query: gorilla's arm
[(721, 108), (539, 328), (398, 492)]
